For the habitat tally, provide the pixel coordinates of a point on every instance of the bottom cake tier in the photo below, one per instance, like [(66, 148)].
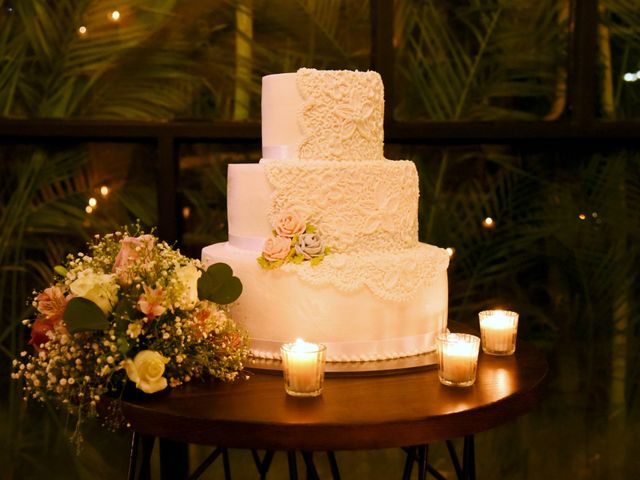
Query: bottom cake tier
[(278, 306)]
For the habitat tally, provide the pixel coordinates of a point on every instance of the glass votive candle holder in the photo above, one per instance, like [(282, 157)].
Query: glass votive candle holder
[(498, 329), (303, 366), (457, 358)]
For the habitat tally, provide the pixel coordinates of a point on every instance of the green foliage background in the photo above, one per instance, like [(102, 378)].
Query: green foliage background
[(574, 281)]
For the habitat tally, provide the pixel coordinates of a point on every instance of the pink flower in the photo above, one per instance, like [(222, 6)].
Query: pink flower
[(51, 303), (289, 224), (132, 249), (276, 248), (150, 302), (202, 324)]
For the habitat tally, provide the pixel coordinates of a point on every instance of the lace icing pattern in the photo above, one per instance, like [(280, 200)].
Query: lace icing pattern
[(391, 276), (342, 115), (356, 206)]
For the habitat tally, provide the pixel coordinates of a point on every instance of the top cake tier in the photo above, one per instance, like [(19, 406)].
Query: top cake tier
[(322, 115)]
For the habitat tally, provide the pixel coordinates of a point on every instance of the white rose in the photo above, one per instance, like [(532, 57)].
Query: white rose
[(146, 370), (101, 289), (188, 276)]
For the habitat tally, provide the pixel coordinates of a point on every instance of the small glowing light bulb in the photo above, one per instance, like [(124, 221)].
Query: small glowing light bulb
[(88, 209), (451, 251), (115, 15), (488, 222), (82, 30), (582, 216), (104, 190), (186, 212), (630, 77), (92, 202)]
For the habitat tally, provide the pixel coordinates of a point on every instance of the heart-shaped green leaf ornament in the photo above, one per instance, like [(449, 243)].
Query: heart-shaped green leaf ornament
[(218, 285), (82, 315)]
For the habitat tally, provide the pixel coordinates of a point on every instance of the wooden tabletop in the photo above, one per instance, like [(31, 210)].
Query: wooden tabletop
[(354, 412)]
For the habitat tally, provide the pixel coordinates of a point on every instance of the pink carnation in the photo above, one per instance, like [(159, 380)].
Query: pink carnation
[(276, 248), (289, 224)]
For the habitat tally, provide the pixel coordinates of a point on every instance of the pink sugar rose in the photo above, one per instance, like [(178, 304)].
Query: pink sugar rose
[(150, 303), (51, 303), (132, 249), (289, 224), (276, 248)]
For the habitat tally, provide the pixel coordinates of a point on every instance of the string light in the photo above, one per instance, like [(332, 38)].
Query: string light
[(115, 15), (582, 216), (488, 223), (92, 202), (88, 209), (451, 251), (630, 77), (186, 212), (82, 30), (104, 190)]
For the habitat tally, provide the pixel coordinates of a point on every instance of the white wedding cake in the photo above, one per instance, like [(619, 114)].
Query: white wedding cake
[(323, 232)]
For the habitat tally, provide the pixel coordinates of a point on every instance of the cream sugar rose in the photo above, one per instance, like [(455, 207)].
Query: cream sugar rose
[(323, 232)]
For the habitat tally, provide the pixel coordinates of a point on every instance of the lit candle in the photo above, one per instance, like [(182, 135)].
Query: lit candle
[(458, 358), (303, 367), (498, 329)]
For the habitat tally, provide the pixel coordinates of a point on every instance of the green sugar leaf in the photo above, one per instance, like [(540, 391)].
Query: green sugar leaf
[(316, 260)]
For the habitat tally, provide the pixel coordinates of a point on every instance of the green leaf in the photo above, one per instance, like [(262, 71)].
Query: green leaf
[(123, 313), (123, 346), (217, 284), (82, 315), (60, 270)]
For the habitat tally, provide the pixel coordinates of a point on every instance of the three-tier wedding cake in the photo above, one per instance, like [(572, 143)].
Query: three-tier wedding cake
[(323, 232)]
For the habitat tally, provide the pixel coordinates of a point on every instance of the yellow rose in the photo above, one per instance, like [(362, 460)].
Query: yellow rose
[(146, 370)]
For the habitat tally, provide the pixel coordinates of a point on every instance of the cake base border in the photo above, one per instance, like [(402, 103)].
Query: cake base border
[(390, 366)]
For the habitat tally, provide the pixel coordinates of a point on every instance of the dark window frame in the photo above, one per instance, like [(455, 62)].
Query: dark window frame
[(580, 128)]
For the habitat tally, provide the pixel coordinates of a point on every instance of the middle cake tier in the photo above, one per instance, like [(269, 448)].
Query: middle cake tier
[(362, 206)]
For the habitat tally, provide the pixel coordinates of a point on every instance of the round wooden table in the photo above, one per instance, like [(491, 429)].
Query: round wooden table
[(404, 409)]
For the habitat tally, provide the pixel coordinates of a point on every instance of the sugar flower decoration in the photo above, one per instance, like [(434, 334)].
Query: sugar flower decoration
[(294, 240)]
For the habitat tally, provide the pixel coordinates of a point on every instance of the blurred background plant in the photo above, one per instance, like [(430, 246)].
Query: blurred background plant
[(549, 230)]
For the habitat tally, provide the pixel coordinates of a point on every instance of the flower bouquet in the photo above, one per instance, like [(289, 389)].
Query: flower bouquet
[(131, 310)]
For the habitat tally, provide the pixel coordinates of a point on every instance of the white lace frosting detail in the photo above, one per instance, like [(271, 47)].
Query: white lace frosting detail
[(356, 206), (393, 276), (342, 115)]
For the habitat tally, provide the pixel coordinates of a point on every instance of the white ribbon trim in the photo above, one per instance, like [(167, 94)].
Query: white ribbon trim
[(247, 243), (275, 152), (344, 351)]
